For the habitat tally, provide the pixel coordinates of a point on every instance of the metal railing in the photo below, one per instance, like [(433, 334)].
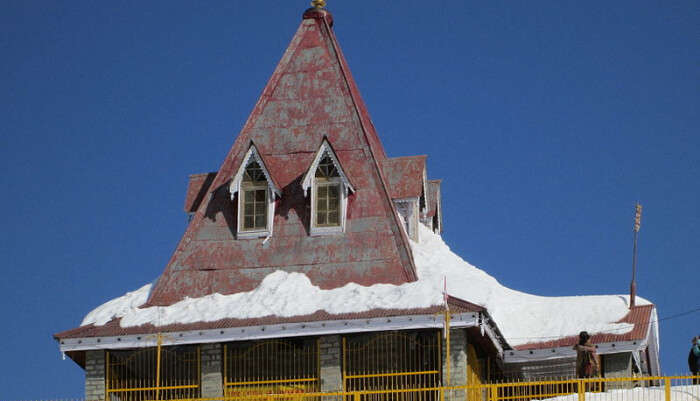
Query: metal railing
[(153, 373), (271, 366), (657, 388), (647, 388)]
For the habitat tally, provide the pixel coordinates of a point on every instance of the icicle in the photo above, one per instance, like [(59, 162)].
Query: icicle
[(63, 356)]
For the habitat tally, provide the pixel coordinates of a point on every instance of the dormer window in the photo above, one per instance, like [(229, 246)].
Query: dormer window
[(256, 194), (328, 187), (254, 190)]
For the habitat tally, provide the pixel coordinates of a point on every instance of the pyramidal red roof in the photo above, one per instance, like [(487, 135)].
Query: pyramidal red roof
[(310, 97)]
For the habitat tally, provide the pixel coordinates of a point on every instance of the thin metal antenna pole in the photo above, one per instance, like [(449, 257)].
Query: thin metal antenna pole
[(637, 225)]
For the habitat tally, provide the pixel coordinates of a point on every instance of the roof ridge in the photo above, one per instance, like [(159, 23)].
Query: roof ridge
[(408, 157), (353, 90)]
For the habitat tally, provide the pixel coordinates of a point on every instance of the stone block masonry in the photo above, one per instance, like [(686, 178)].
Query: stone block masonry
[(95, 375), (458, 364), (212, 368), (331, 369)]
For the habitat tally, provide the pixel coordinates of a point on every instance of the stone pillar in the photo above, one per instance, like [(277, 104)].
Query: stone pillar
[(617, 365), (95, 375), (331, 363), (458, 364), (212, 370)]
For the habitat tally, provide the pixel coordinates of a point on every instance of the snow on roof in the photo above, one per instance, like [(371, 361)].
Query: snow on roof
[(521, 317)]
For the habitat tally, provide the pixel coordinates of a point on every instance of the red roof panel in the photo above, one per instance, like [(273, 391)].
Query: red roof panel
[(434, 197), (112, 328), (639, 316), (405, 176)]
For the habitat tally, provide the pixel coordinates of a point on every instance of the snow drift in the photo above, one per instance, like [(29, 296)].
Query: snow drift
[(521, 317)]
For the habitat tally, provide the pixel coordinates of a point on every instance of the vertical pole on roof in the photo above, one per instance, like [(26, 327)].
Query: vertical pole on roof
[(637, 225)]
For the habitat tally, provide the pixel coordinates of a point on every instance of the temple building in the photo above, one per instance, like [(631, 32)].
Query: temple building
[(306, 267)]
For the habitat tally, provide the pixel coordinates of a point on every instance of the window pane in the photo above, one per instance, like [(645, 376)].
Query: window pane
[(322, 192), (248, 209), (333, 218), (333, 192), (253, 173), (260, 195), (321, 218), (249, 196), (260, 221), (248, 222), (320, 205), (333, 206)]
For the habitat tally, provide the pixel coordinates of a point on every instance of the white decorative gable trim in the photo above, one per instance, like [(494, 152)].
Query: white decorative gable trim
[(325, 148), (238, 177), (311, 187), (426, 200), (272, 191)]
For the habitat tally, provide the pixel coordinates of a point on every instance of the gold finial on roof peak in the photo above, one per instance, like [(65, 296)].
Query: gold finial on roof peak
[(318, 4)]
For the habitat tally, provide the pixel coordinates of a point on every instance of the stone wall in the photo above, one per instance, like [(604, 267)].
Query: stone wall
[(331, 369), (212, 368), (94, 375), (458, 364)]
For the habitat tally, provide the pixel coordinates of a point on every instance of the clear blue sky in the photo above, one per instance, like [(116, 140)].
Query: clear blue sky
[(547, 121)]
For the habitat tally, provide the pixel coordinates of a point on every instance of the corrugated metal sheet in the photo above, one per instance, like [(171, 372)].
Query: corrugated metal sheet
[(197, 188), (310, 96), (405, 176), (639, 316), (434, 196), (113, 328)]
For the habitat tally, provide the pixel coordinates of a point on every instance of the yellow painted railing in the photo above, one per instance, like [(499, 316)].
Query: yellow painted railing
[(658, 388)]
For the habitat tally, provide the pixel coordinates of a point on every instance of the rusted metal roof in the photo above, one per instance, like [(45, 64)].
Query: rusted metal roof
[(310, 96), (197, 188), (434, 196), (639, 316), (112, 328), (405, 176)]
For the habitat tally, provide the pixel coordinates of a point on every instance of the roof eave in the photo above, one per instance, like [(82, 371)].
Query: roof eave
[(327, 327)]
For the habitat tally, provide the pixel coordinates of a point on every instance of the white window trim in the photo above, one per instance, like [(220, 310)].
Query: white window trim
[(414, 216), (272, 191), (424, 210), (309, 186), (343, 207)]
